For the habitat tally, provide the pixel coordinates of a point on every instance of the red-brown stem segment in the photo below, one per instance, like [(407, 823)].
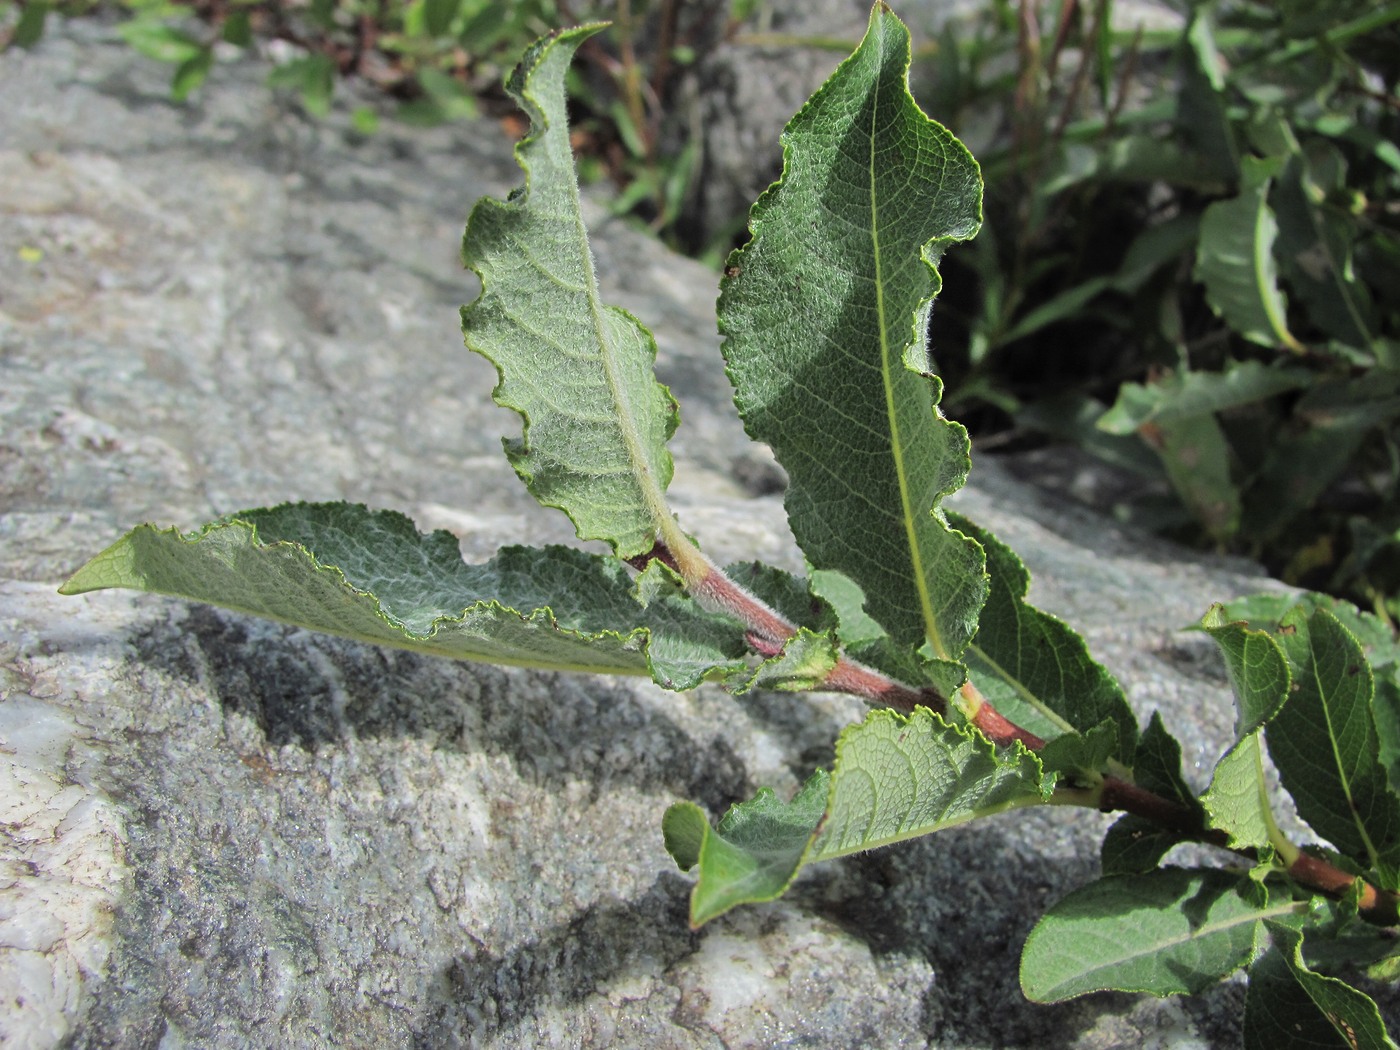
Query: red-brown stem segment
[(1378, 906), (768, 632)]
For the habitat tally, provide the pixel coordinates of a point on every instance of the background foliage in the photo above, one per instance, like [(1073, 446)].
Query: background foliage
[(1186, 267)]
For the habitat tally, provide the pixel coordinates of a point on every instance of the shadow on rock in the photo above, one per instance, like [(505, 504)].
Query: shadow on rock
[(481, 993), (966, 899), (312, 690)]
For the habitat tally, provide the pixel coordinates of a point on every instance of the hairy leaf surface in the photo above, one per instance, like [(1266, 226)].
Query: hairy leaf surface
[(1168, 932), (579, 372), (824, 314), (370, 575), (896, 777)]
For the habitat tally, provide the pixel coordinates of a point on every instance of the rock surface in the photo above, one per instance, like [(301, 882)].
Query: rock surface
[(220, 832)]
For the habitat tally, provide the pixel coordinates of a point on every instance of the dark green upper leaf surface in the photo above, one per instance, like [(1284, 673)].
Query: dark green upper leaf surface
[(824, 315), (1288, 1005), (1034, 668), (1133, 844), (1325, 744), (579, 372), (347, 570)]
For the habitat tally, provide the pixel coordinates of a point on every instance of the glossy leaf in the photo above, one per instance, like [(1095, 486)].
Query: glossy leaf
[(579, 372), (1235, 261), (824, 314)]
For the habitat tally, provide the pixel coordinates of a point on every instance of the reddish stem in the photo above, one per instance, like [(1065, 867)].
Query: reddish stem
[(768, 632), (1002, 730)]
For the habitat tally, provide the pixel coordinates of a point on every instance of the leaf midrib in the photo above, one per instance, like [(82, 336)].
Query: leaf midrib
[(652, 495), (1159, 946), (931, 631), (1344, 780)]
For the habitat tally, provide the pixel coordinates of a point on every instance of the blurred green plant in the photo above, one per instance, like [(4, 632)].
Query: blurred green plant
[(438, 60), (1192, 235)]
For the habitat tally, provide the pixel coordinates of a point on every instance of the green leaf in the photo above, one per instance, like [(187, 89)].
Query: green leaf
[(29, 30), (1316, 242), (754, 853), (579, 372), (824, 314), (896, 777), (1289, 1005), (1325, 745), (1075, 755), (238, 29), (1238, 797), (1187, 394), (159, 41), (1197, 460), (1133, 844), (1298, 469), (312, 76), (1034, 668), (1168, 932), (1235, 261), (438, 16), (369, 575), (191, 73), (1255, 665)]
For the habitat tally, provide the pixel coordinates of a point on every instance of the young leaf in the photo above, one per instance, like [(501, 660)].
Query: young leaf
[(1289, 1005), (1235, 261), (579, 373), (1167, 932), (369, 575), (1134, 844), (754, 853), (1034, 668), (896, 777), (1255, 666), (1238, 797), (824, 314), (1325, 745)]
